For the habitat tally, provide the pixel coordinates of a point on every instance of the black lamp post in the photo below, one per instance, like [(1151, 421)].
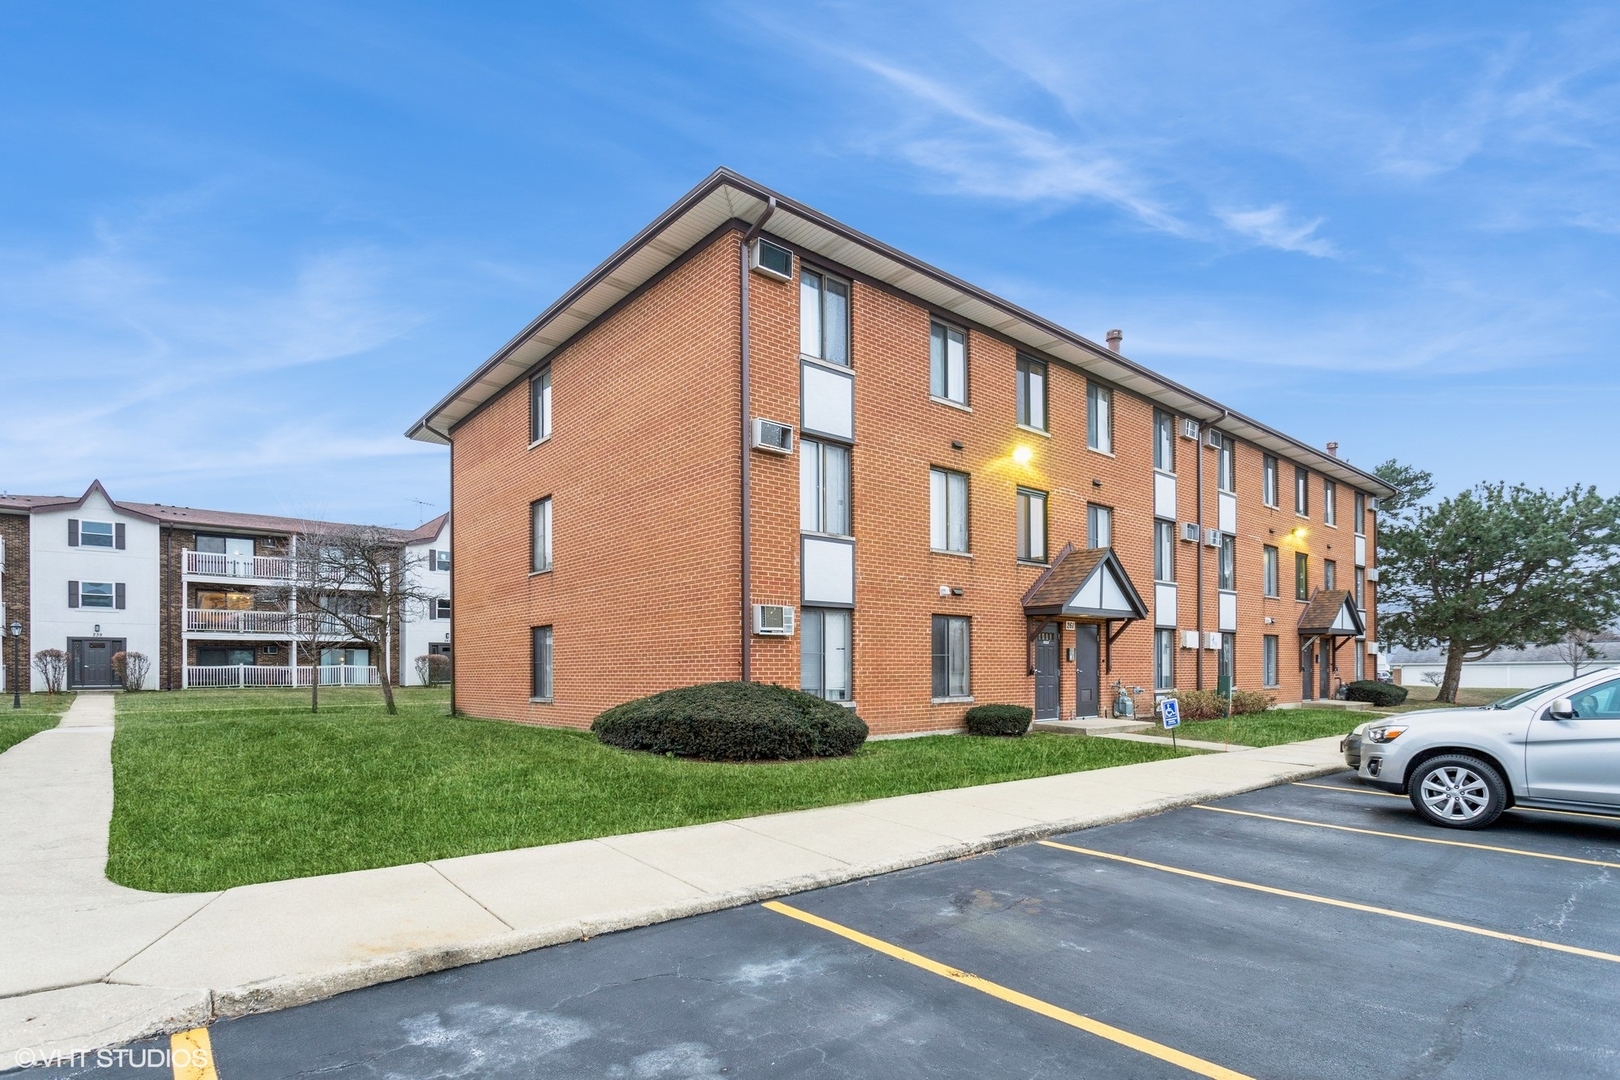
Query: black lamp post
[(16, 690)]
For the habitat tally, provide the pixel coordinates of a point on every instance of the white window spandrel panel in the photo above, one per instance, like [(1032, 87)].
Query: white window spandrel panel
[(1164, 605), (1228, 513), (829, 402), (1164, 496), (1228, 612), (1361, 551), (829, 571)]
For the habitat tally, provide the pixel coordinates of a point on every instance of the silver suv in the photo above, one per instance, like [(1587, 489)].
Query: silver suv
[(1557, 746)]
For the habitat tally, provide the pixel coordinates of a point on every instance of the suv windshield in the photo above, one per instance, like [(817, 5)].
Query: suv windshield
[(1525, 695)]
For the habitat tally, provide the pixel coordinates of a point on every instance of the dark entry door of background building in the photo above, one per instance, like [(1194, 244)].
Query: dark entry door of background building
[(90, 661), (1087, 671), (1047, 697)]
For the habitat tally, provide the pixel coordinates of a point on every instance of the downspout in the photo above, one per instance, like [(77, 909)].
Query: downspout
[(747, 581), (1198, 656), (453, 561), (164, 649)]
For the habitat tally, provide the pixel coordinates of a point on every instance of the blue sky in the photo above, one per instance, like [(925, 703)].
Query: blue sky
[(244, 246)]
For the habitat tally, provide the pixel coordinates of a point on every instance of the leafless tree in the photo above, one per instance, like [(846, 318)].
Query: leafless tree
[(131, 669), (1576, 649), (52, 665), (370, 574), (310, 592)]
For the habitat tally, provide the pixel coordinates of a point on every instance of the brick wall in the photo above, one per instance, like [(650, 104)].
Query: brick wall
[(643, 474), (14, 585)]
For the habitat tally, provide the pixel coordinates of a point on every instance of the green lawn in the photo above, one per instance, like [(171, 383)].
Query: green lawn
[(1271, 727), (215, 788), (1422, 697), (39, 712)]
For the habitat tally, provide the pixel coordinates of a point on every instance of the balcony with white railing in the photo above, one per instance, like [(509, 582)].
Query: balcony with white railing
[(209, 564), (240, 676), (229, 621)]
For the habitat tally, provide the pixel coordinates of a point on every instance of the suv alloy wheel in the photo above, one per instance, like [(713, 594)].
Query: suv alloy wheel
[(1458, 791)]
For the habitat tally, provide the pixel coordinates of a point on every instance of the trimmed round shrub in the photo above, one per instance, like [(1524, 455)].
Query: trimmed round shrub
[(733, 721), (1379, 693), (998, 719), (1251, 701)]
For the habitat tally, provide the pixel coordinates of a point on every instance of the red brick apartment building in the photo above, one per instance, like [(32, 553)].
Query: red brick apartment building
[(757, 444)]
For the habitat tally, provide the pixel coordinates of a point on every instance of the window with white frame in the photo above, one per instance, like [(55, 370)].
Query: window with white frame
[(540, 535), (540, 663), (1302, 576), (1268, 570), (440, 560), (1226, 660), (947, 363), (441, 608), (96, 594), (1330, 574), (823, 316), (1360, 514), (1099, 526), (1164, 550), (1268, 480), (1164, 441), (1226, 563), (947, 510), (1032, 393), (952, 666), (1268, 660), (540, 407), (824, 653), (1360, 579), (1164, 659), (1330, 502), (1031, 525), (1226, 464), (1100, 418), (823, 487), (96, 533), (1302, 491)]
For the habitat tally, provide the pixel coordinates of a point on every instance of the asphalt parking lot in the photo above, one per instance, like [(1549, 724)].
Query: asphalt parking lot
[(1308, 930)]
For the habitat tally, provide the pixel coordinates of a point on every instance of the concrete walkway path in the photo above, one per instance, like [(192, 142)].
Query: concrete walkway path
[(85, 963)]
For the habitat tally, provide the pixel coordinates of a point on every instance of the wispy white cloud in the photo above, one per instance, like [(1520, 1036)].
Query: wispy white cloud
[(1270, 226)]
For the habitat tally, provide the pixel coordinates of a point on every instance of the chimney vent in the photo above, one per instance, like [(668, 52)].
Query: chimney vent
[(1114, 338), (1333, 449)]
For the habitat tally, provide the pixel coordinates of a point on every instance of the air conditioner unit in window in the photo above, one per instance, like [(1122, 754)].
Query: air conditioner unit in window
[(772, 260), (773, 620), (1212, 640), (1212, 439), (1189, 428), (1189, 531), (1189, 639), (1212, 538), (1372, 573), (773, 437)]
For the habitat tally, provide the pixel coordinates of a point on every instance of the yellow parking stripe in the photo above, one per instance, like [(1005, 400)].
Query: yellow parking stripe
[(1511, 809), (192, 1054), (1415, 839), (1347, 904), (985, 986)]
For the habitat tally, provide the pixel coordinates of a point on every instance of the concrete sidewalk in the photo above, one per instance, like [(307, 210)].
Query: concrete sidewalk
[(87, 963)]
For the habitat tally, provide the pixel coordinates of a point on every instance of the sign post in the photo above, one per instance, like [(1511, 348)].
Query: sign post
[(1170, 713)]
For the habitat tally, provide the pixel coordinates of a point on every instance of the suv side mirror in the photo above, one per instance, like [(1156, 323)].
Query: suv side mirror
[(1561, 709)]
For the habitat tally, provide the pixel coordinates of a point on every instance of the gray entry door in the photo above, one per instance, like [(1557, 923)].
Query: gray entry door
[(1327, 669), (1087, 671), (1047, 697), (1307, 667), (90, 661)]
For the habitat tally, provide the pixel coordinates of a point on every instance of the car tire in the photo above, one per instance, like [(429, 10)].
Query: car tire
[(1458, 791)]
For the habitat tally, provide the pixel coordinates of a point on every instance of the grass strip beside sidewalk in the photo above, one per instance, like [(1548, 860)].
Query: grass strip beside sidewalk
[(1270, 728), (215, 788), (39, 712)]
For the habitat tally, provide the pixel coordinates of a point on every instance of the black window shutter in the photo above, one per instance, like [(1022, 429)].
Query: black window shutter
[(118, 596), (433, 609), (118, 536), (73, 532), (73, 592), (433, 559)]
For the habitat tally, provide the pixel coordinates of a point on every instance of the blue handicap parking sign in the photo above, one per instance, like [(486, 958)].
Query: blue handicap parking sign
[(1170, 709)]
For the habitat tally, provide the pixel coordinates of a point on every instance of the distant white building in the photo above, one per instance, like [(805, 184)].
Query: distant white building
[(428, 554), (1504, 668)]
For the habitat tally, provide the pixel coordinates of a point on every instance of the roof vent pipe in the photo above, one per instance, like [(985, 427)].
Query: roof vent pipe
[(1333, 449), (1114, 338)]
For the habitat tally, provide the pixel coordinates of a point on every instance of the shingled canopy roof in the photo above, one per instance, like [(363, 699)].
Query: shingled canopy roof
[(1086, 584), (1331, 612)]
